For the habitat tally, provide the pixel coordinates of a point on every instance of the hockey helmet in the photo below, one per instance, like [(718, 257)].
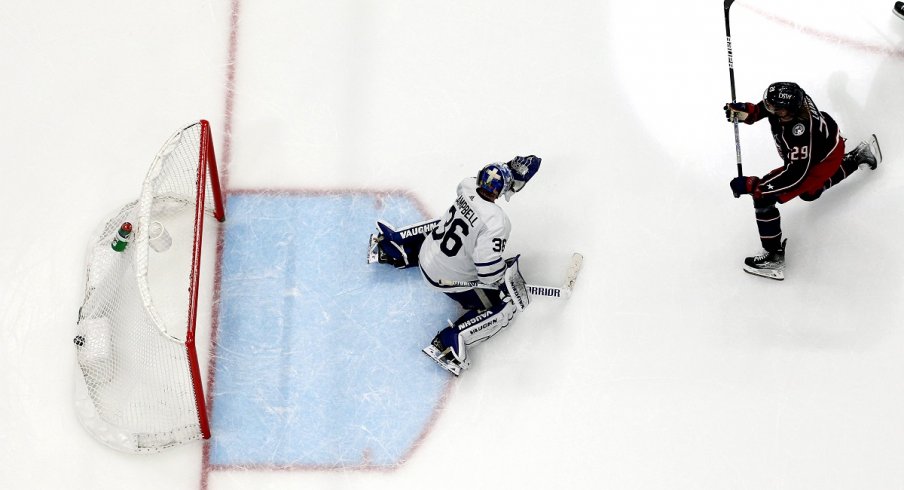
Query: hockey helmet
[(495, 178), (784, 95)]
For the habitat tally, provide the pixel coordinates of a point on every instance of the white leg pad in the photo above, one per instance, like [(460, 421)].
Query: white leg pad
[(484, 326)]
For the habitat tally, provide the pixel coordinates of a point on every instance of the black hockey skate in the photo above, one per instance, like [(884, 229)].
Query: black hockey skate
[(390, 246), (899, 9), (768, 264), (373, 250), (375, 253), (867, 153)]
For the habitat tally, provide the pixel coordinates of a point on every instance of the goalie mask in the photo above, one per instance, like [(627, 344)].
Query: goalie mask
[(495, 178)]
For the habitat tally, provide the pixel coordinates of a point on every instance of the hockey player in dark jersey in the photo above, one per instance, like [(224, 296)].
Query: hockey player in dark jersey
[(812, 151)]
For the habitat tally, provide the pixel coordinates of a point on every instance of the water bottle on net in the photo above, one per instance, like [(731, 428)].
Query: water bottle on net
[(122, 237)]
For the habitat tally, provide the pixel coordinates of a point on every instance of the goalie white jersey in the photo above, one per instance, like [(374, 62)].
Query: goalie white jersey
[(468, 243)]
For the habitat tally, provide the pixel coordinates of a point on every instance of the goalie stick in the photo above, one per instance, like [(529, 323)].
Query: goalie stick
[(571, 276)]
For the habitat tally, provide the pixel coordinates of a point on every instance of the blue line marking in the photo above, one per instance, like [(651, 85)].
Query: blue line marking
[(319, 358)]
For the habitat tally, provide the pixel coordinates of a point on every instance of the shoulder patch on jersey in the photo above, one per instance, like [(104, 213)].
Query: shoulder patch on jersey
[(798, 129)]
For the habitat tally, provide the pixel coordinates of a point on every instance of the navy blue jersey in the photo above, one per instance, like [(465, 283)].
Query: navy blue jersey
[(801, 143)]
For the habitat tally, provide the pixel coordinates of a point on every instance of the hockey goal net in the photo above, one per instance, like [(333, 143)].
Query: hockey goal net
[(139, 388)]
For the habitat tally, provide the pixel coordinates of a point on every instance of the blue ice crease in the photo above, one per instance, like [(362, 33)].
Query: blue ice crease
[(319, 357)]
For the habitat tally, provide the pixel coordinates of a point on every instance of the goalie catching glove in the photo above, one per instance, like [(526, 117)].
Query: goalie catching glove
[(523, 169)]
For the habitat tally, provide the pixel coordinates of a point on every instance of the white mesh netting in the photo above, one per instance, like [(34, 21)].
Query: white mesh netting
[(136, 391)]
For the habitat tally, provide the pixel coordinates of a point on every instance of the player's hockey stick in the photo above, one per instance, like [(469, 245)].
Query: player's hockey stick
[(571, 276), (737, 135)]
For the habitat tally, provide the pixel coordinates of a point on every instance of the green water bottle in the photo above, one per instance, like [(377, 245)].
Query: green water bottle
[(122, 237)]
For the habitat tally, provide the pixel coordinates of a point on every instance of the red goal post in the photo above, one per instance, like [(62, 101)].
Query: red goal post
[(140, 388)]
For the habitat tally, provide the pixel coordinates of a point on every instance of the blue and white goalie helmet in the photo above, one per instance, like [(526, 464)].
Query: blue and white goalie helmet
[(495, 178)]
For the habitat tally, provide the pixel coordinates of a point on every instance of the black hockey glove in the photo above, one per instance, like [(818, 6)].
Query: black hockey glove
[(746, 185), (741, 109)]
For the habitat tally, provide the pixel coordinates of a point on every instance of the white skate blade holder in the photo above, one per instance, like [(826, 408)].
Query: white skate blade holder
[(437, 356), (777, 274), (373, 255)]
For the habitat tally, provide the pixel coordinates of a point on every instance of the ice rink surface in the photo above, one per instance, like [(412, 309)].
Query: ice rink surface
[(668, 368)]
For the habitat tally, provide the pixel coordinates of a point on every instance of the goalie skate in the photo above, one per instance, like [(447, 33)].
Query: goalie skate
[(443, 360), (373, 253), (767, 264)]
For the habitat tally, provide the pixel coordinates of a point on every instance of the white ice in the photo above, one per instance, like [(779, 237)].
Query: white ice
[(668, 368)]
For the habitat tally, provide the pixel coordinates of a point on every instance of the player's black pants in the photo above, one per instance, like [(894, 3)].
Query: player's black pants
[(768, 222), (848, 166), (768, 218), (477, 299)]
